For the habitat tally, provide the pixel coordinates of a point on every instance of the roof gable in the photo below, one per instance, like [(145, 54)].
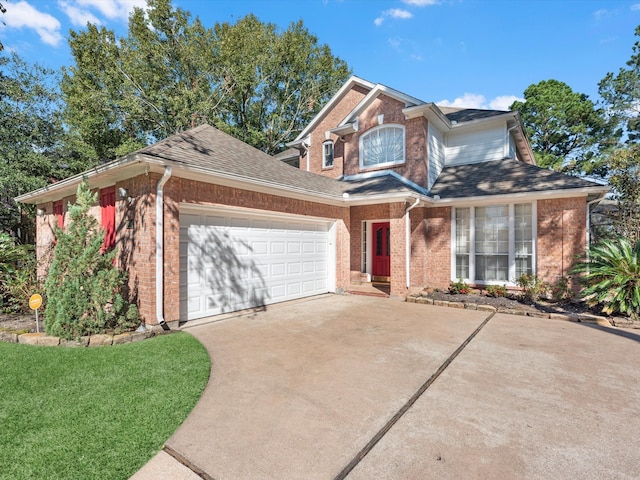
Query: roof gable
[(349, 84)]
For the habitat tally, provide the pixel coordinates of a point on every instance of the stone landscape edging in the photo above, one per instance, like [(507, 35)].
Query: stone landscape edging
[(99, 340), (571, 317)]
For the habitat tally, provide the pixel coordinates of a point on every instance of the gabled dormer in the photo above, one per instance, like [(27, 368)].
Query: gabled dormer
[(460, 136), (370, 129)]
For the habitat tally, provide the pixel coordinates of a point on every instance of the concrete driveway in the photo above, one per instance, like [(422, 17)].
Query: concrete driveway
[(365, 388)]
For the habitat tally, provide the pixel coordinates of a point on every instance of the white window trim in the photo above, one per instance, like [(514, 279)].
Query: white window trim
[(512, 244), (386, 164), (324, 156)]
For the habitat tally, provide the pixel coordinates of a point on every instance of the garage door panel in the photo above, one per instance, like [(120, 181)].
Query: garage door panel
[(234, 262)]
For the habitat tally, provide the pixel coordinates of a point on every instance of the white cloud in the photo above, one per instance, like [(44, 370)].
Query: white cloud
[(78, 16), (24, 15), (398, 13), (635, 6), (420, 3), (475, 100), (503, 102), (112, 9), (468, 100)]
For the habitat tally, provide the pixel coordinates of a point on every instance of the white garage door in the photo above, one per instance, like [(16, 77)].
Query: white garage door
[(230, 261)]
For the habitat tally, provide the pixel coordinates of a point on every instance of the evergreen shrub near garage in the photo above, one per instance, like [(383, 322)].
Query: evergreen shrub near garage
[(84, 289)]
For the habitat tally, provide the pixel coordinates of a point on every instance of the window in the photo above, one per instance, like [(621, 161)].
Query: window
[(494, 244), (108, 217), (382, 146), (327, 154)]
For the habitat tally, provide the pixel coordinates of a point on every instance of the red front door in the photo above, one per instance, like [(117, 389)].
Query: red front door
[(381, 266)]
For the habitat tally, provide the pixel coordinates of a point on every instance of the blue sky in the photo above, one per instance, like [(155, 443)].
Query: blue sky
[(470, 53)]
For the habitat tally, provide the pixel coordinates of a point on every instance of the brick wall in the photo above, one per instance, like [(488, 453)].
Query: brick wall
[(419, 247), (331, 120), (438, 264), (561, 236), (347, 152)]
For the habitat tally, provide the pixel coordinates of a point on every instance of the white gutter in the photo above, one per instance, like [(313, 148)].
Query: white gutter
[(160, 246), (407, 223)]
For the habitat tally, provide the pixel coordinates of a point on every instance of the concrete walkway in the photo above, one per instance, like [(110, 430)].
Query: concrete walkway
[(344, 387)]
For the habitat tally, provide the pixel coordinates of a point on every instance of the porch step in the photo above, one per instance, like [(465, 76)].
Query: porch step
[(369, 289)]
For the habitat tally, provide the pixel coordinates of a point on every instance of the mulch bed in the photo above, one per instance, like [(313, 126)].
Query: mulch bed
[(514, 302)]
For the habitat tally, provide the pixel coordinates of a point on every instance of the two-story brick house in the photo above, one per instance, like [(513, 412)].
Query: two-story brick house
[(387, 187)]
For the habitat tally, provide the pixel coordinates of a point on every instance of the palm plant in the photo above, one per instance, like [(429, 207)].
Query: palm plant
[(611, 274)]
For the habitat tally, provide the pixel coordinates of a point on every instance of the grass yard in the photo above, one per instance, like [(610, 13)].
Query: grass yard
[(94, 412)]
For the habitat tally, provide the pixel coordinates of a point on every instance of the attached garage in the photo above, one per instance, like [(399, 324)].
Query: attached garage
[(232, 260)]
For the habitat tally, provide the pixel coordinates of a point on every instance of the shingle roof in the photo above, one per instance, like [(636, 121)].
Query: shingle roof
[(380, 185), (469, 114), (208, 148), (500, 177)]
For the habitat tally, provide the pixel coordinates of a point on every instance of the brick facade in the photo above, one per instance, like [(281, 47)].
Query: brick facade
[(347, 149), (562, 234), (438, 222)]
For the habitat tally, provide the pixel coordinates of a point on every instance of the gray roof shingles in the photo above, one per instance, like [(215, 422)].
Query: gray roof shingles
[(500, 177), (212, 150), (216, 152)]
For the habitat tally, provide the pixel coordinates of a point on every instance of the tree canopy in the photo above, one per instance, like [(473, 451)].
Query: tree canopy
[(170, 73), (565, 127)]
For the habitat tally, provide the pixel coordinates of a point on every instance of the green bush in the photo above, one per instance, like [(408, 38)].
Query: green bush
[(533, 288), (459, 287), (497, 290), (83, 287), (611, 275), (18, 274), (561, 290)]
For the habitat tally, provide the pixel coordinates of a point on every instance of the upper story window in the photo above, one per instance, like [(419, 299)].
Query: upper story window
[(327, 154), (383, 145)]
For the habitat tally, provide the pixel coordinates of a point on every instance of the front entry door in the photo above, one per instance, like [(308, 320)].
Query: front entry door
[(381, 265)]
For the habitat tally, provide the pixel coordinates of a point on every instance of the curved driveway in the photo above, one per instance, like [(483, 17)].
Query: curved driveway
[(344, 387)]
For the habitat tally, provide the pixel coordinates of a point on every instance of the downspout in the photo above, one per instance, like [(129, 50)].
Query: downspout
[(407, 224), (160, 246)]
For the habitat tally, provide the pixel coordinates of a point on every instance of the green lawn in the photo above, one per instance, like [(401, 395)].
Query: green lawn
[(94, 412)]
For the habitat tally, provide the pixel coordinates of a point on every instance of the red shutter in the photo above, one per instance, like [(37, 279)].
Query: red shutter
[(59, 213), (108, 217)]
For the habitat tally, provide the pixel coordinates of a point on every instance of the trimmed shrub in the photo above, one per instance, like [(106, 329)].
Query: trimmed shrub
[(533, 288), (497, 290), (561, 290), (611, 276), (459, 287), (83, 286)]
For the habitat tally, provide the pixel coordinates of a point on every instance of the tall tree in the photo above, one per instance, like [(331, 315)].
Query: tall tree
[(170, 73), (30, 138), (621, 94), (565, 127)]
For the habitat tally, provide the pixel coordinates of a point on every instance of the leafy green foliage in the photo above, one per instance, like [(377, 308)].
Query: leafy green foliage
[(564, 126), (621, 94), (35, 148), (497, 290), (83, 287), (459, 288), (18, 276), (561, 290), (624, 175), (533, 287), (611, 274), (80, 413), (171, 73)]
